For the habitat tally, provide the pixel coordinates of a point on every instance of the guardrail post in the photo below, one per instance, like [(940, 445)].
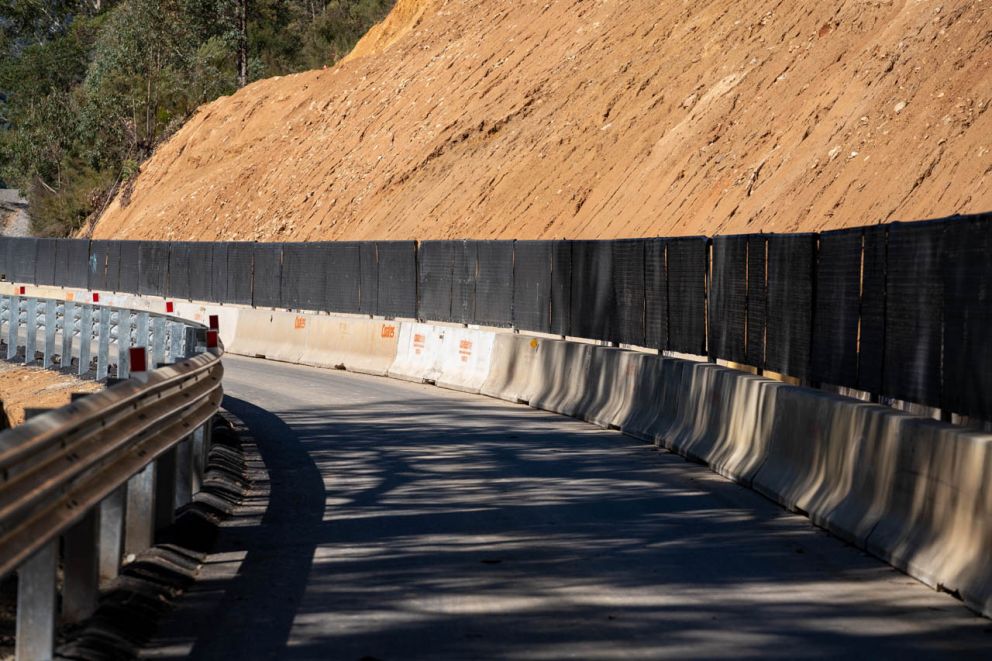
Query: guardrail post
[(15, 322), (68, 329), (4, 315), (112, 511), (184, 473), (31, 336), (82, 568), (103, 344), (198, 455), (35, 638), (139, 511), (176, 334), (36, 598), (50, 328), (85, 338), (158, 341), (124, 319), (165, 489)]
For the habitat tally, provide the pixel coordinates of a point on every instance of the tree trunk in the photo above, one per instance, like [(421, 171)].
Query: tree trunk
[(242, 19)]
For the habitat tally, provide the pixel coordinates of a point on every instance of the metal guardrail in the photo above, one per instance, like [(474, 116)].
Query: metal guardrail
[(110, 469)]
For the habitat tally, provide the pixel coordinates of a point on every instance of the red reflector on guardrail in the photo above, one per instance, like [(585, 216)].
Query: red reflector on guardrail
[(139, 359), (22, 290), (214, 322), (96, 297), (170, 307), (212, 338)]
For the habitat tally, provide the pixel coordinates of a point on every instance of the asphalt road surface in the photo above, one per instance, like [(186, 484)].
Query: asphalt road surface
[(401, 521)]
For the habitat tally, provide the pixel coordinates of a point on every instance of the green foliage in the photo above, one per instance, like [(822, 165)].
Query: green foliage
[(89, 89)]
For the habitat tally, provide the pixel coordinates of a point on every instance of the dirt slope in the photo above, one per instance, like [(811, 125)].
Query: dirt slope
[(595, 118)]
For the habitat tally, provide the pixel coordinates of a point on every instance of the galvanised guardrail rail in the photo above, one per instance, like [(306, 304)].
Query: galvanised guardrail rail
[(107, 471)]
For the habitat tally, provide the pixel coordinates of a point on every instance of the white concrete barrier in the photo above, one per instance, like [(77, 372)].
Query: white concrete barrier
[(353, 344), (511, 367), (465, 357), (418, 353)]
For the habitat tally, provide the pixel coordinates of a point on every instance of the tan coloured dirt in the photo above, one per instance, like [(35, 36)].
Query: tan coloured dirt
[(33, 387), (595, 118)]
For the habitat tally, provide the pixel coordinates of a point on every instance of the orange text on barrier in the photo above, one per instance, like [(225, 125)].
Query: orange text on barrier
[(300, 322), (388, 331)]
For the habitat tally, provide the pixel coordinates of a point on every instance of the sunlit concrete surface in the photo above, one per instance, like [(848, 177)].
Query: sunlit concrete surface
[(399, 521)]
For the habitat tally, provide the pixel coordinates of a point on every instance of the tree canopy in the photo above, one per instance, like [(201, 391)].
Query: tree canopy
[(88, 88)]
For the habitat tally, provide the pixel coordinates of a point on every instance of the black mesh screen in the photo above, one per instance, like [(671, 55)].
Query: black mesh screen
[(368, 286), (838, 303), (179, 270), (304, 269), (594, 304), (218, 272), (343, 278), (239, 272), (6, 252), (130, 267), (532, 285), (967, 373), (728, 299), (62, 262), (77, 263), (434, 266), (494, 286), (757, 299), (267, 268), (397, 279), (113, 273), (561, 287), (687, 259), (791, 261), (913, 308), (870, 353), (201, 268), (628, 290), (464, 277), (153, 268), (97, 267), (655, 294), (45, 259)]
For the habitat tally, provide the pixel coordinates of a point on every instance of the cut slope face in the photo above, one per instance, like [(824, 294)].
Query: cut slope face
[(594, 118)]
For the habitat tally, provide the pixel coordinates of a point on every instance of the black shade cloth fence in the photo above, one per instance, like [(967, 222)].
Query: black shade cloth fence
[(901, 310)]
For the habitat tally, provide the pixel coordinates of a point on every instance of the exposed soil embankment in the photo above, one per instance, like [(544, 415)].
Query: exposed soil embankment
[(585, 119), (33, 387)]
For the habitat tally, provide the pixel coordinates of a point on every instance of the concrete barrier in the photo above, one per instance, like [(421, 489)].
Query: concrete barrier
[(417, 353), (560, 376), (610, 384), (269, 334), (353, 344), (936, 509), (728, 421), (228, 317), (511, 367), (464, 360)]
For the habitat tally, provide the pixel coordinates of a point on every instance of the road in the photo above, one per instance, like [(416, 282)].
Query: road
[(402, 521)]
